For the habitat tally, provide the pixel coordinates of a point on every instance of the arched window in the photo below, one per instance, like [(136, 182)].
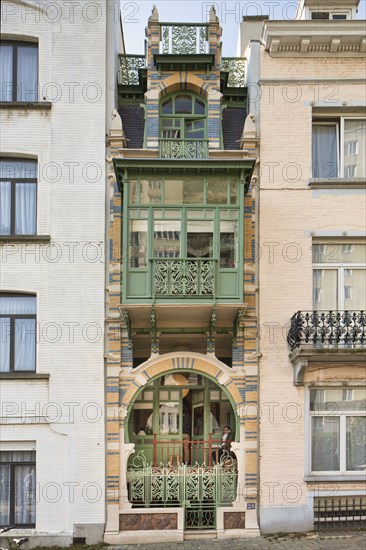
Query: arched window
[(183, 116)]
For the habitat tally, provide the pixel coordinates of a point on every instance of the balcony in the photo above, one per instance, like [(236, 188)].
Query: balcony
[(184, 39), (130, 67), (233, 69), (183, 277), (188, 149), (326, 336)]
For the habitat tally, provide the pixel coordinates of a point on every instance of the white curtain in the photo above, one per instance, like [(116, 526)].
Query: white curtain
[(27, 73), (5, 207), (325, 161), (25, 493), (25, 217), (15, 305), (4, 494), (356, 448), (4, 344), (6, 73), (25, 344), (325, 444)]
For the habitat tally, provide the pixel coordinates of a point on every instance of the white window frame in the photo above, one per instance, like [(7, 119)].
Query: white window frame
[(342, 434), (347, 13)]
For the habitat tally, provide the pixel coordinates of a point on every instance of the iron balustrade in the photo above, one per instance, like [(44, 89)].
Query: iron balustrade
[(129, 69), (183, 276), (341, 512), (235, 67), (183, 148), (327, 328), (184, 38)]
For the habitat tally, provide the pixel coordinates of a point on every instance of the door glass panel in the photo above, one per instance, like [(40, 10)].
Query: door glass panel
[(325, 289), (199, 239), (354, 289), (169, 418), (354, 148), (167, 239), (138, 243), (217, 191), (198, 412), (151, 191), (141, 419), (325, 444), (228, 244)]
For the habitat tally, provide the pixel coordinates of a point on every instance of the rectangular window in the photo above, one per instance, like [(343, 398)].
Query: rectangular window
[(18, 197), (338, 430), (18, 488), (17, 333), (138, 243), (337, 148), (18, 71)]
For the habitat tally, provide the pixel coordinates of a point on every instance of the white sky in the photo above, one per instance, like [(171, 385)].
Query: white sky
[(135, 14)]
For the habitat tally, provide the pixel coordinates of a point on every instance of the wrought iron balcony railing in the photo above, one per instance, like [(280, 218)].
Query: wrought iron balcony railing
[(183, 276), (184, 39), (183, 148), (327, 328), (129, 67), (235, 67)]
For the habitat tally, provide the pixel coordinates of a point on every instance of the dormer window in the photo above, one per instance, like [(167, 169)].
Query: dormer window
[(183, 116)]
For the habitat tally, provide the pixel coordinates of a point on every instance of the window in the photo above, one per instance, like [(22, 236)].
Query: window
[(17, 333), (19, 71), (321, 15), (336, 148), (338, 430), (183, 116), (18, 197), (18, 488), (339, 277)]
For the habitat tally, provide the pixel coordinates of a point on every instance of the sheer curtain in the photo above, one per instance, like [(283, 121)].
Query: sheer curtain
[(25, 492), (325, 161), (5, 207), (4, 344), (325, 444), (25, 344), (356, 448), (25, 218), (24, 334), (27, 73), (4, 494), (6, 73)]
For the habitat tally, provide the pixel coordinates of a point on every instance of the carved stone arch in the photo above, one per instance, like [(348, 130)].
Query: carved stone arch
[(184, 81)]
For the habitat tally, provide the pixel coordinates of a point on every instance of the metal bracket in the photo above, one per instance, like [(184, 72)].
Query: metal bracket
[(237, 322)]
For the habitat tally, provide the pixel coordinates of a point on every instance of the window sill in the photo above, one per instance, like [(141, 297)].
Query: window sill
[(33, 105), (331, 478), (338, 183), (23, 376), (25, 238)]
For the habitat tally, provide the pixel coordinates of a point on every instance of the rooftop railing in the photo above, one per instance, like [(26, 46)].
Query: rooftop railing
[(235, 67), (184, 39), (129, 69)]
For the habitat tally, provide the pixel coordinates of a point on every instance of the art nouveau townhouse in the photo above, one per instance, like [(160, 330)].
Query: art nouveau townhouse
[(54, 116), (181, 362), (306, 82)]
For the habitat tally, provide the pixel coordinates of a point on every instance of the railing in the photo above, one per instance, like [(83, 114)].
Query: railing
[(236, 69), (339, 513), (184, 38), (129, 67), (327, 328), (180, 277), (187, 451), (183, 148)]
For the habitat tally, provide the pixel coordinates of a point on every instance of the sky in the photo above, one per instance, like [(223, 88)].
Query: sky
[(135, 14)]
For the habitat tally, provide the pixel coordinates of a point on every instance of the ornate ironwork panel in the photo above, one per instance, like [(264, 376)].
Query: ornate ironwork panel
[(173, 277), (183, 149), (236, 69), (128, 74), (327, 328), (187, 39)]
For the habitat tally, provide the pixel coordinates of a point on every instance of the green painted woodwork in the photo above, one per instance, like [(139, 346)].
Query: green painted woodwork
[(183, 148), (129, 69)]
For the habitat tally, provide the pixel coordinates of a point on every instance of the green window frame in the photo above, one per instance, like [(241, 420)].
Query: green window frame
[(183, 116)]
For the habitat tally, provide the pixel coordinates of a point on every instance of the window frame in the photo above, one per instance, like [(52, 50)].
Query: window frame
[(182, 117), (339, 122), (343, 414), (13, 464), (13, 183), (331, 14), (13, 317), (15, 45)]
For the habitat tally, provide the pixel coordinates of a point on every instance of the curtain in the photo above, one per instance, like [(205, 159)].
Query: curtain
[(24, 169), (355, 282), (25, 217), (4, 344), (27, 73), (25, 495), (25, 344), (325, 289), (5, 207), (4, 494), (325, 444), (325, 163), (14, 305), (6, 73), (356, 447), (354, 147)]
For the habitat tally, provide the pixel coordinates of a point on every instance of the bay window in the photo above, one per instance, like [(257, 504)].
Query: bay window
[(338, 148), (18, 488), (19, 71)]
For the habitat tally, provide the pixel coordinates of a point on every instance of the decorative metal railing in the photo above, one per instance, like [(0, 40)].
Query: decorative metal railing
[(348, 512), (183, 148), (187, 451), (129, 66), (184, 39), (179, 277), (327, 328), (236, 69)]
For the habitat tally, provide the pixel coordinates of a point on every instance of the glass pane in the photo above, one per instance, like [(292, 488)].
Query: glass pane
[(217, 191), (338, 399), (325, 289), (198, 412), (134, 197), (199, 239), (167, 107), (233, 192), (199, 107), (356, 443), (27, 85), (25, 495), (5, 207), (354, 148), (325, 158), (183, 104), (339, 253), (151, 191), (167, 239), (141, 419), (325, 444), (169, 418), (354, 289), (25, 345), (4, 494), (4, 344), (6, 73), (26, 208), (138, 243), (14, 305), (20, 169), (228, 244), (184, 190)]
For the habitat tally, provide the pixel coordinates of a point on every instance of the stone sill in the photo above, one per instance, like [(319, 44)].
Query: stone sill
[(25, 238), (23, 376), (332, 478), (338, 183), (32, 106)]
